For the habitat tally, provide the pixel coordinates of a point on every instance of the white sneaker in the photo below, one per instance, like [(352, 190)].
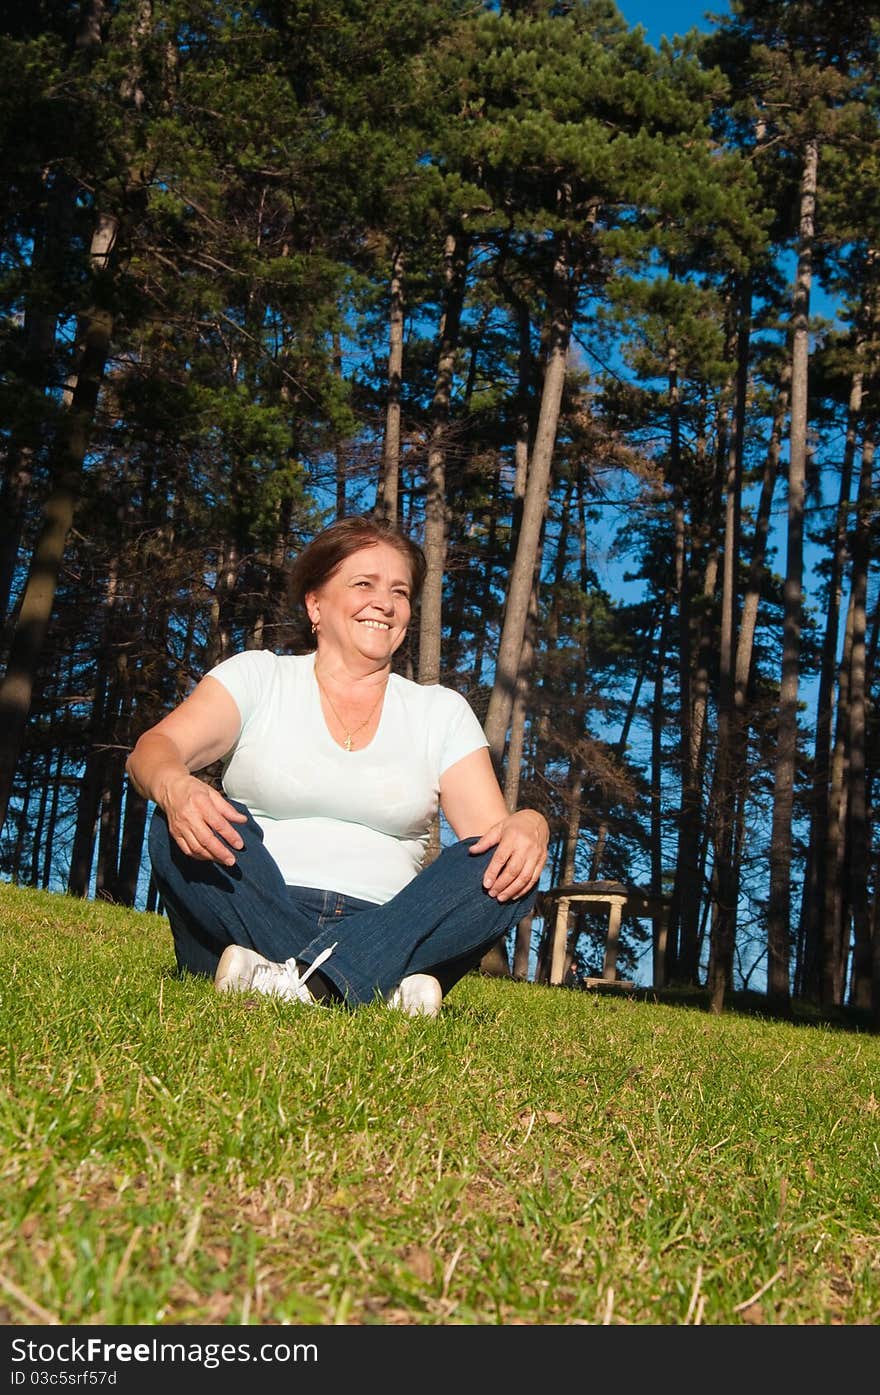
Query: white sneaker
[(419, 995), (243, 970)]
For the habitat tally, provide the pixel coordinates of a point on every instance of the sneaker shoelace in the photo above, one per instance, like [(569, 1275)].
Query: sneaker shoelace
[(285, 981)]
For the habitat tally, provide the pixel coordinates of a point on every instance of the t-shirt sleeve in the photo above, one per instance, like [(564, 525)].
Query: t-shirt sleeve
[(463, 733), (244, 677)]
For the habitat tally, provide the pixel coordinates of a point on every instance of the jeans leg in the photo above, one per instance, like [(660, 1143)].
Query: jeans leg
[(210, 907), (448, 974), (443, 917), (442, 921)]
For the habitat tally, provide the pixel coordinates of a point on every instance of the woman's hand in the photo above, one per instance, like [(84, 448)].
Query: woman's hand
[(201, 821), (520, 842), (471, 799), (198, 732)]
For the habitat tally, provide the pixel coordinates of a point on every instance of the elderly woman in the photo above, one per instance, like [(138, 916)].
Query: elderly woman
[(305, 880)]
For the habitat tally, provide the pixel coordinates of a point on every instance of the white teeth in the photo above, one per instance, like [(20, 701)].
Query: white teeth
[(375, 624)]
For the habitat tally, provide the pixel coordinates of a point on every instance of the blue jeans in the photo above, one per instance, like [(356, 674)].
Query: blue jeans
[(441, 923)]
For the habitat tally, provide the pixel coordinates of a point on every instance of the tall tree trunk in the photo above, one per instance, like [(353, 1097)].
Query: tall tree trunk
[(51, 828), (338, 443), (562, 950), (522, 947), (723, 938), (534, 505), (813, 901), (107, 733), (522, 944), (271, 615), (524, 396), (16, 857), (42, 812), (738, 741), (875, 927), (106, 872), (89, 791), (94, 334), (622, 742), (689, 811), (42, 304), (660, 925), (522, 447), (131, 849), (87, 809), (219, 645), (521, 472), (40, 320), (513, 769), (857, 834), (100, 788), (387, 504), (834, 921), (483, 589), (779, 900), (870, 687), (745, 644), (431, 623), (688, 870)]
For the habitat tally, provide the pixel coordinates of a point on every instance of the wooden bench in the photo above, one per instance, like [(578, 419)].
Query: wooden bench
[(620, 899)]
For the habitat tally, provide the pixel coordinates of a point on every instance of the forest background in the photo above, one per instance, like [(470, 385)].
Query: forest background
[(544, 292)]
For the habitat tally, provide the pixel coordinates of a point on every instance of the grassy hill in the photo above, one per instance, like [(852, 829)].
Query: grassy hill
[(535, 1155)]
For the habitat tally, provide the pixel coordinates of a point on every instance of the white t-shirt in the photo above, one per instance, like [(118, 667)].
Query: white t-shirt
[(356, 822)]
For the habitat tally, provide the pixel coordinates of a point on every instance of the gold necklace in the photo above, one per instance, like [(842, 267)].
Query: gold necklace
[(349, 735)]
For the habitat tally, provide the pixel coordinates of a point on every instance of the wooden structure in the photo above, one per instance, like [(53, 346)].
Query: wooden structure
[(620, 899)]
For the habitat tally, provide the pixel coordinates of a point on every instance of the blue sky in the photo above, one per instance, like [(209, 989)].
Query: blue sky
[(670, 17)]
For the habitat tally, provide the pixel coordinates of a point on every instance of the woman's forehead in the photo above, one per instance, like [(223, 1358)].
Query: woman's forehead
[(374, 559)]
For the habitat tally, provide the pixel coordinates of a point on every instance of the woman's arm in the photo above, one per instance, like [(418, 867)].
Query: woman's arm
[(474, 807), (204, 727)]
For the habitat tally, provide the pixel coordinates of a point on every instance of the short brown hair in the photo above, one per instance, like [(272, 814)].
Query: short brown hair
[(328, 550)]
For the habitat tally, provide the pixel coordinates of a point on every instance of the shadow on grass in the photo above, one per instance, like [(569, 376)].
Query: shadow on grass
[(745, 1004)]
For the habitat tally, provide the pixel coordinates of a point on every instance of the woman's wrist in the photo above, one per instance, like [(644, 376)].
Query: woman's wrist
[(156, 767)]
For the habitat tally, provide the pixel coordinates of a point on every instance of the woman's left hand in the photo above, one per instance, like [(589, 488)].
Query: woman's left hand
[(520, 842)]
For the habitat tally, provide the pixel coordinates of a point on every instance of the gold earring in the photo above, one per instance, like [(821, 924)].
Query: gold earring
[(314, 628)]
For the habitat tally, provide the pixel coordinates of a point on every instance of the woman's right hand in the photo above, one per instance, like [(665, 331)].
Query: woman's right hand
[(201, 821), (205, 726)]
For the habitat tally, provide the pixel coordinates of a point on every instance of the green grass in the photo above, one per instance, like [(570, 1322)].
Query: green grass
[(534, 1156)]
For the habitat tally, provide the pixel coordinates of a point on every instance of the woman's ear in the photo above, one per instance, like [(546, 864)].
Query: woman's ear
[(313, 610)]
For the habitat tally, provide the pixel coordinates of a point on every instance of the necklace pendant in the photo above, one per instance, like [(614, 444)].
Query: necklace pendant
[(348, 741)]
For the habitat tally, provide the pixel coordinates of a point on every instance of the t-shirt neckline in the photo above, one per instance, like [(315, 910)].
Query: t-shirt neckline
[(322, 721)]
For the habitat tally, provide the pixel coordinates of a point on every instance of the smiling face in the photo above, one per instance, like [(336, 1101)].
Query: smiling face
[(362, 611)]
